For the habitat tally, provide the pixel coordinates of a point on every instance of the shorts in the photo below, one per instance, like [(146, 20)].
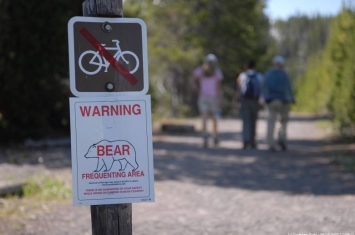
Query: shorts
[(209, 105)]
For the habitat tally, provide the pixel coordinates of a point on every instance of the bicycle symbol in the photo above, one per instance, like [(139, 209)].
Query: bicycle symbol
[(94, 65)]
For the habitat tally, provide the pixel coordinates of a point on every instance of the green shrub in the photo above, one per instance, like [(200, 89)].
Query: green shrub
[(46, 188)]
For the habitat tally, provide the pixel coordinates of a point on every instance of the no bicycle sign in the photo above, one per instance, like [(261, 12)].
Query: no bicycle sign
[(107, 56), (112, 156)]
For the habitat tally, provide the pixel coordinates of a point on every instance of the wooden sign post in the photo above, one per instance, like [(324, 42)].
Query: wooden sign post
[(111, 219), (108, 219)]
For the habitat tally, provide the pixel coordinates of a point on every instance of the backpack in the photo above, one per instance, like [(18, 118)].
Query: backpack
[(252, 90)]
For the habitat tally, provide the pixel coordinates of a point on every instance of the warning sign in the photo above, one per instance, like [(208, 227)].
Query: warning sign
[(107, 56), (112, 156)]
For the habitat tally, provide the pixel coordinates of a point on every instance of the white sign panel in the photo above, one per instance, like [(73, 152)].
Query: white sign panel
[(112, 154)]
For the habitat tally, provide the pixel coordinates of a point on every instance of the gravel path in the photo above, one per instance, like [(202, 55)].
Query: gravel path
[(220, 190)]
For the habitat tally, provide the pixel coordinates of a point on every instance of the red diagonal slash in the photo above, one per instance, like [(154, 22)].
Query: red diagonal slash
[(107, 55)]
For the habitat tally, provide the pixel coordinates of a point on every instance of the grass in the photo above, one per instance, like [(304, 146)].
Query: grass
[(325, 124), (38, 193), (47, 188)]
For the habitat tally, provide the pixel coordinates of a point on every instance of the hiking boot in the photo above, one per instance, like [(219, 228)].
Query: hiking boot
[(205, 142), (245, 146), (283, 146), (253, 146), (215, 141)]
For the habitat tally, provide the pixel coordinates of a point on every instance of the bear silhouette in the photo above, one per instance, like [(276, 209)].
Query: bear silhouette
[(107, 152)]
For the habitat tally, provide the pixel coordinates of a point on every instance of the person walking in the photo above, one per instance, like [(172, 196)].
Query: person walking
[(278, 95), (249, 83), (206, 80)]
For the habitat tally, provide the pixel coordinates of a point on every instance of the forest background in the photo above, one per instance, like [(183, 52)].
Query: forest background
[(34, 63)]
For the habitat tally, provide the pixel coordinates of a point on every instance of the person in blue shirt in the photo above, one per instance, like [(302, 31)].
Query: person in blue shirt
[(278, 95)]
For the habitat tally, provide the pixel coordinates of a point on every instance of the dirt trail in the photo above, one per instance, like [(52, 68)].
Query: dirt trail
[(220, 190)]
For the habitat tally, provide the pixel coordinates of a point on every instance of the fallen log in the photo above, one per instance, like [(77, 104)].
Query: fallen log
[(175, 128), (14, 189)]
